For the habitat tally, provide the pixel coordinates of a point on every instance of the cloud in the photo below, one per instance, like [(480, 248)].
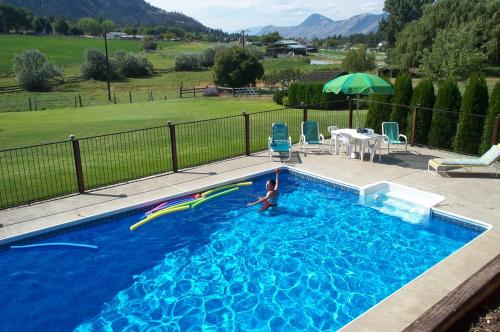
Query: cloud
[(231, 15)]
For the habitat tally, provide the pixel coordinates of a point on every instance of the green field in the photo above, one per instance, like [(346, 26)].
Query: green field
[(27, 128)]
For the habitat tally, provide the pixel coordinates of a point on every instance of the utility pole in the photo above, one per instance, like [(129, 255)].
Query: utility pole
[(107, 65), (243, 37)]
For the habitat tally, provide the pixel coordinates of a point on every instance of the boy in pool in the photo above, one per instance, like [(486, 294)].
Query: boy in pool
[(271, 198)]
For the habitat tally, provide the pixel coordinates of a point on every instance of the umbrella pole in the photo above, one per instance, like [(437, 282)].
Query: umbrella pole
[(357, 112)]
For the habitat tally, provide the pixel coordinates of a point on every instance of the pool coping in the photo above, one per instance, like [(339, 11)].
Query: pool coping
[(331, 181)]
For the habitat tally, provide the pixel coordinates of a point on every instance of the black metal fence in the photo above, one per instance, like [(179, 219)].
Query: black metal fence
[(35, 173)]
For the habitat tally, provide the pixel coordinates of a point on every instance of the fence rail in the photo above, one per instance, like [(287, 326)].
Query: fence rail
[(35, 173)]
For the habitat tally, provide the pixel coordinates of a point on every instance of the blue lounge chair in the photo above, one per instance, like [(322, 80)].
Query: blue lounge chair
[(310, 135), (279, 141), (390, 130), (487, 159)]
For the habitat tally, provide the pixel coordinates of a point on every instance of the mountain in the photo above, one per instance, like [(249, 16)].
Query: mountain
[(120, 11), (320, 26)]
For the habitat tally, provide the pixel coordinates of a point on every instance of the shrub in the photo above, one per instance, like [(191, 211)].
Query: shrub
[(493, 112), (128, 64), (148, 43), (379, 110), (94, 65), (207, 57), (312, 94), (33, 70), (423, 95), (278, 96), (236, 67), (471, 121), (286, 103), (187, 61), (445, 115), (402, 96)]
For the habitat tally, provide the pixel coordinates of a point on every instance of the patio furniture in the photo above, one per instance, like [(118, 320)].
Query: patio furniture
[(392, 136), (333, 138), (487, 159), (373, 145), (345, 140), (310, 135), (355, 138), (279, 141)]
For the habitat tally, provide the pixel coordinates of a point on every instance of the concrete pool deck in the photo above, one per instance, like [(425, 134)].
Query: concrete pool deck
[(473, 195)]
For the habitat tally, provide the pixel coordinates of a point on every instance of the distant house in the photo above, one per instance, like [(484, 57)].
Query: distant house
[(286, 46), (115, 35)]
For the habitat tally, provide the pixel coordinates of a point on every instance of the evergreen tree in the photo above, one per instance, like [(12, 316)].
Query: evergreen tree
[(472, 112), (493, 112), (379, 110), (424, 99), (403, 91), (445, 115)]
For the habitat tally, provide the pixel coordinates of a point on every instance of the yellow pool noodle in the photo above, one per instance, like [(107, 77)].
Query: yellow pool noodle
[(175, 208), (241, 184), (214, 196)]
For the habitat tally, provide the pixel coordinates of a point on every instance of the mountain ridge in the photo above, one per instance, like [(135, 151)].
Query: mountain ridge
[(319, 26), (123, 12)]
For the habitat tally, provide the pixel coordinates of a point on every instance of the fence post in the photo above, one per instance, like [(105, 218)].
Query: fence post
[(304, 110), (36, 106), (194, 91), (413, 125), (247, 132), (349, 102), (173, 146), (29, 101), (180, 91), (495, 131), (114, 97), (75, 101), (80, 99), (152, 98), (130, 96), (78, 164)]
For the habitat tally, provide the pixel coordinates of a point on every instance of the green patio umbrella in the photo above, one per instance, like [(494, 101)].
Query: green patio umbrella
[(359, 84)]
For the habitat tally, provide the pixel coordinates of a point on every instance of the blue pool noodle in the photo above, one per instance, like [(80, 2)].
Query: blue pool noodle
[(56, 244)]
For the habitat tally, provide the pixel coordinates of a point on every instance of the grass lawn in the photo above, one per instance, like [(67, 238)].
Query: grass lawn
[(28, 128)]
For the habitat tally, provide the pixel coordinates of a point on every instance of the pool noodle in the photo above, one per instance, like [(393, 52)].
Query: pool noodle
[(157, 214), (55, 244), (168, 204), (201, 201), (241, 184)]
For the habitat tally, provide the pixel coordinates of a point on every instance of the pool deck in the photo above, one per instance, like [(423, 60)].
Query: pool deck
[(473, 195)]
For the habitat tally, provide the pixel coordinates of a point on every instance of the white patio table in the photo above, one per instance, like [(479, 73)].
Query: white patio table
[(362, 138)]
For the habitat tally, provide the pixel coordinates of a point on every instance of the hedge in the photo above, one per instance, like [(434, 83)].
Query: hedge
[(312, 94)]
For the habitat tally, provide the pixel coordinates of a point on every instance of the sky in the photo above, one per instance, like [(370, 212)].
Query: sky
[(234, 15)]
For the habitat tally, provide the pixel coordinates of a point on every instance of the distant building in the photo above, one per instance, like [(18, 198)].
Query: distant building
[(286, 46), (121, 35)]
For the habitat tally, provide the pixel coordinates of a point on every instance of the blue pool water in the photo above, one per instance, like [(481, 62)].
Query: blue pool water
[(315, 263)]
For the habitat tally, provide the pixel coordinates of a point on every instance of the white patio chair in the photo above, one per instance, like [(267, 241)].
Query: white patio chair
[(334, 139)]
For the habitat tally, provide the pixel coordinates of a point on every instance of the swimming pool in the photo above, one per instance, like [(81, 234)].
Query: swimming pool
[(315, 263)]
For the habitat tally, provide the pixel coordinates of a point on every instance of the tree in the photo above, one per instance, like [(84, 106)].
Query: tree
[(12, 18), (472, 112), (61, 26), (207, 57), (270, 38), (89, 26), (454, 54), (403, 91), (423, 98), (148, 43), (94, 65), (34, 71), (107, 26), (445, 115), (358, 60), (379, 110), (493, 112), (400, 12), (236, 67)]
